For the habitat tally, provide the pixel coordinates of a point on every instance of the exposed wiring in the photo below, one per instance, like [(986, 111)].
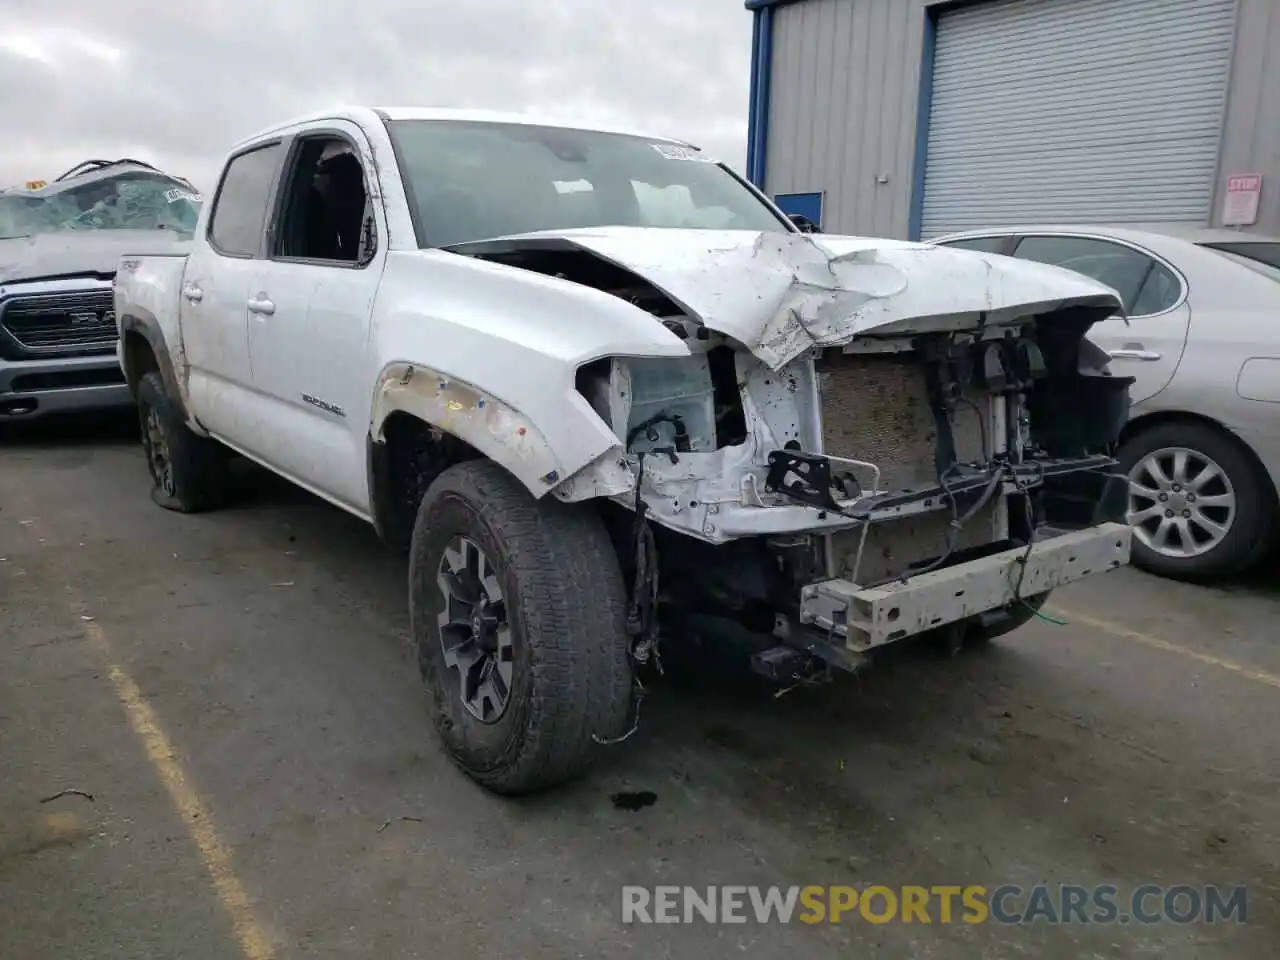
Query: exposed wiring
[(982, 426), (953, 530), (1018, 598), (635, 725), (957, 521), (681, 434), (956, 526), (857, 560), (821, 675), (1044, 616), (642, 619)]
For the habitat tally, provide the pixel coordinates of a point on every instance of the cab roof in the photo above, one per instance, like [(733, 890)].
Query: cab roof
[(373, 115)]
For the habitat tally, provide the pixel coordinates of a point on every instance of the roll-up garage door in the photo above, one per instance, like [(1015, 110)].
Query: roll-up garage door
[(1077, 111)]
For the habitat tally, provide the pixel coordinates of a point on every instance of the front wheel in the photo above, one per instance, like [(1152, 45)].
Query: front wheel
[(518, 612), (1199, 508)]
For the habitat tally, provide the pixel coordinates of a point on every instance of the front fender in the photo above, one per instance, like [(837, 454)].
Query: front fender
[(504, 434)]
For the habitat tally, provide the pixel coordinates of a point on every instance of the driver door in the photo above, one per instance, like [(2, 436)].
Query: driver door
[(310, 302)]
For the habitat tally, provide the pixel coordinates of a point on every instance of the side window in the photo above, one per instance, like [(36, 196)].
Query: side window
[(1160, 292), (981, 244), (240, 208), (325, 213), (1138, 279)]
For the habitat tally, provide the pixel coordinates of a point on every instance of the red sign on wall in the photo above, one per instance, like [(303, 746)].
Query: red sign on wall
[(1240, 206)]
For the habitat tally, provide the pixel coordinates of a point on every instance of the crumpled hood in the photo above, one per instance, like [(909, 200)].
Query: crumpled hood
[(782, 293), (71, 252)]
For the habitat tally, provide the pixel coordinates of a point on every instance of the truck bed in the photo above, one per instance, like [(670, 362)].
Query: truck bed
[(146, 294)]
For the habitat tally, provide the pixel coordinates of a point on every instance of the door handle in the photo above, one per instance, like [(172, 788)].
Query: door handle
[(193, 293), (1130, 353), (261, 305)]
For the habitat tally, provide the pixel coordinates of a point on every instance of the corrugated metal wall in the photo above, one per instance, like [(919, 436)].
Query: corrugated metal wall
[(1251, 137), (845, 91), (842, 109), (1076, 111)]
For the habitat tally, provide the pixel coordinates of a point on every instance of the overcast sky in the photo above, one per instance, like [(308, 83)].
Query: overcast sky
[(176, 83)]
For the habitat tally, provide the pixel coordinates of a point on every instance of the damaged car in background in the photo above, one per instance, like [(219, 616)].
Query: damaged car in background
[(604, 393), (59, 246)]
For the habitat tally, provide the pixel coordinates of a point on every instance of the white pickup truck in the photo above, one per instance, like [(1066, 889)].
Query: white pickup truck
[(606, 394)]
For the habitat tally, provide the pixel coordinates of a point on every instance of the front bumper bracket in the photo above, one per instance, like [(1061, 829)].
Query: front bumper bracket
[(868, 617)]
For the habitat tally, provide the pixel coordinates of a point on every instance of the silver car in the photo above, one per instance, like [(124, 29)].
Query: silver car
[(1202, 342)]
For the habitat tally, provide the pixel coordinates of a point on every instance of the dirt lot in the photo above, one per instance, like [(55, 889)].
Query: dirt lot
[(235, 692)]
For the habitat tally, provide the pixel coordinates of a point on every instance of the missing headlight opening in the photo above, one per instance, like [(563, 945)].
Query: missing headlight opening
[(669, 405), (912, 454)]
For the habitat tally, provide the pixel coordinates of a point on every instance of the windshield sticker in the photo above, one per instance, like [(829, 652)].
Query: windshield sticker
[(176, 194), (37, 184), (674, 151)]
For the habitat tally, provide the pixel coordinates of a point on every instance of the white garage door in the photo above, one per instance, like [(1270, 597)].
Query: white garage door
[(1076, 111)]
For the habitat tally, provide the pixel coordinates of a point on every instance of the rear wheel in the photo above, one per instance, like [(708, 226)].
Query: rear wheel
[(1199, 507), (517, 610), (189, 472)]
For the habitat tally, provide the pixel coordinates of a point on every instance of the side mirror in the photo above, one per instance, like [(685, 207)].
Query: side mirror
[(803, 223)]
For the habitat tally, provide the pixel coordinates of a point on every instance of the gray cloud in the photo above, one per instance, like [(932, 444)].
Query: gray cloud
[(176, 87)]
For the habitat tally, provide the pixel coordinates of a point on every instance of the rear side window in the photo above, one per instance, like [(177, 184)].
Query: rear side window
[(1145, 286), (1265, 252), (1161, 291), (1260, 257), (240, 208), (1257, 266), (980, 244)]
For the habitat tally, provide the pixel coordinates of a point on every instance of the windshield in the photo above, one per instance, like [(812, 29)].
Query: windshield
[(126, 202), (477, 181)]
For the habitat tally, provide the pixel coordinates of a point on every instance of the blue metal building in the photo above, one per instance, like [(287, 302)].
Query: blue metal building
[(910, 118)]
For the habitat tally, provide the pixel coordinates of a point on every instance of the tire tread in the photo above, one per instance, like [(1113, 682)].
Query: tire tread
[(573, 602)]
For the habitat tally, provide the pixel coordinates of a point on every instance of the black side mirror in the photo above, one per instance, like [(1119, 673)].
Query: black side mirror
[(803, 223)]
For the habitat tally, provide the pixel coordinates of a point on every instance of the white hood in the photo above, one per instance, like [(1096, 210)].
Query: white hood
[(782, 293)]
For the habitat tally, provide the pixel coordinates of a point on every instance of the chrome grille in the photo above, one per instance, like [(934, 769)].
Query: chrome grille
[(81, 322)]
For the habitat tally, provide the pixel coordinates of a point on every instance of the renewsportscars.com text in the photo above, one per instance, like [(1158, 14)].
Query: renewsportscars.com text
[(938, 904)]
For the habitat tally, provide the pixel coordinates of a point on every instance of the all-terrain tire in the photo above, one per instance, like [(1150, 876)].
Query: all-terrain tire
[(571, 678), (189, 471), (1250, 530)]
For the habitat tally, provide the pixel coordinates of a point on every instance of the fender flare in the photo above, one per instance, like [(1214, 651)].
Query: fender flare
[(142, 323), (493, 428)]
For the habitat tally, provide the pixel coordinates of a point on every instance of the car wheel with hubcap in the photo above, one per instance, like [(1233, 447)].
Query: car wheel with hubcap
[(517, 610), (1198, 506)]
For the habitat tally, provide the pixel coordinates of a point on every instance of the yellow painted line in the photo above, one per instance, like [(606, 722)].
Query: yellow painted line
[(249, 932), (1157, 643)]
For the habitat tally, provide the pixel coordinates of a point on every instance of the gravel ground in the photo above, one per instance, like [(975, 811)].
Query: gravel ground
[(235, 692)]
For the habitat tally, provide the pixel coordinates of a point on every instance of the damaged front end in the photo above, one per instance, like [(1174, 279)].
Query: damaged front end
[(867, 440)]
